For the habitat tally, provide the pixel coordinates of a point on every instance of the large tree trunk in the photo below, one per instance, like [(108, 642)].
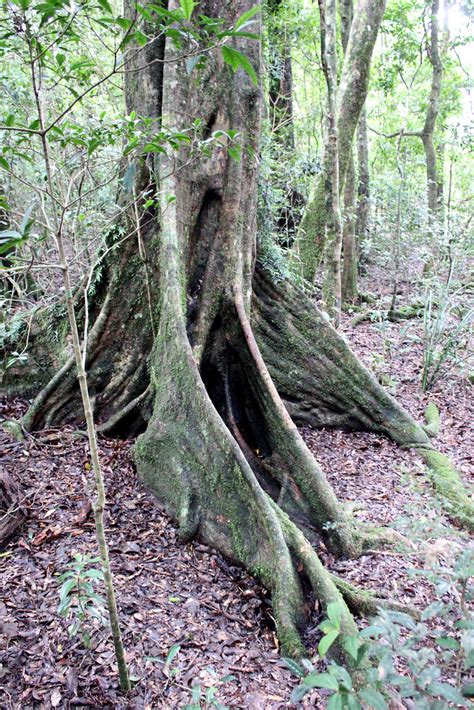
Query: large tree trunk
[(209, 363), (351, 98)]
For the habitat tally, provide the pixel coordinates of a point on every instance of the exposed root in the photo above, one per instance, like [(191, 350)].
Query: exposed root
[(319, 378), (58, 390), (116, 418), (321, 580), (457, 502), (293, 453), (200, 461), (323, 383), (377, 537), (433, 420), (414, 310), (44, 398), (365, 603), (12, 513)]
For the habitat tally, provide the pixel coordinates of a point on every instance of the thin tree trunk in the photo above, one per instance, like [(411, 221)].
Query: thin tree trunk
[(351, 98), (363, 187), (349, 266), (280, 112), (350, 251), (80, 367), (427, 133), (332, 260)]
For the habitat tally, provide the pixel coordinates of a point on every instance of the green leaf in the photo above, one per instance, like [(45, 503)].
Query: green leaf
[(335, 702), (448, 692), (238, 33), (106, 6), (298, 693), (7, 235), (326, 642), (123, 22), (342, 676), (353, 703), (447, 642), (140, 38), (235, 153), (333, 613), (26, 222), (294, 666), (187, 7), (191, 63), (432, 610), (246, 16), (321, 680), (174, 650), (4, 163), (236, 59), (351, 645), (373, 698), (129, 177), (467, 690), (66, 589)]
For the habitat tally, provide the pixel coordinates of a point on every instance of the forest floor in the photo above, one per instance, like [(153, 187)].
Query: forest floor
[(170, 593)]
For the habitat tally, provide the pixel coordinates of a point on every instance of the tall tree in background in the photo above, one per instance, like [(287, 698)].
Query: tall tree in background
[(363, 184), (280, 90), (434, 183), (350, 263), (212, 359), (433, 152), (350, 101), (333, 226)]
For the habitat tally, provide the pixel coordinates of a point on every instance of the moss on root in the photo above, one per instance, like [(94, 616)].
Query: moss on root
[(433, 420), (363, 602), (449, 487)]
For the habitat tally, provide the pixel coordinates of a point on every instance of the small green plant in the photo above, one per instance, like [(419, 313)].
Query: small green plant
[(203, 694), (444, 332), (347, 692), (78, 599), (204, 698), (395, 640)]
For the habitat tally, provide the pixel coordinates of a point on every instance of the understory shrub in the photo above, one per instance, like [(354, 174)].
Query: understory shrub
[(398, 657)]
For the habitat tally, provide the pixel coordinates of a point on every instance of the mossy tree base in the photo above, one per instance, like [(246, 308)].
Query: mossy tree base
[(229, 357)]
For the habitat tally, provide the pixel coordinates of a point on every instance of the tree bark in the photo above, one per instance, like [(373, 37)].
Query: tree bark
[(349, 267), (233, 356), (351, 98), (350, 252), (333, 239), (427, 133), (363, 187)]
